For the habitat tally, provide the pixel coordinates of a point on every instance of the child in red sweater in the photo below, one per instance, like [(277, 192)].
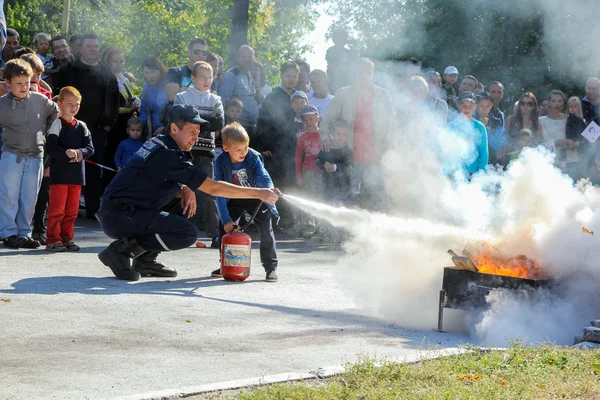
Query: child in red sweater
[(308, 175), (69, 142)]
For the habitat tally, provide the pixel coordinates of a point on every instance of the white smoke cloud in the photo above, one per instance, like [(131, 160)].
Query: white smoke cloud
[(394, 263)]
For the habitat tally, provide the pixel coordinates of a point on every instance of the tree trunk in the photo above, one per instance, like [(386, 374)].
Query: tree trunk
[(239, 28)]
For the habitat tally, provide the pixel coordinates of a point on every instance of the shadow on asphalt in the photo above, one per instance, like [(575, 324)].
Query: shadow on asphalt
[(289, 246), (42, 251), (52, 285), (347, 322)]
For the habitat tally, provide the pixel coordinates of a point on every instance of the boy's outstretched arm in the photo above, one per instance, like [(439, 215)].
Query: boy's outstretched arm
[(230, 191)]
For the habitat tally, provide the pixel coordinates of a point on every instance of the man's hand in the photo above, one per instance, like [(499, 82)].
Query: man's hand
[(229, 226), (270, 196), (326, 144), (188, 202), (72, 154)]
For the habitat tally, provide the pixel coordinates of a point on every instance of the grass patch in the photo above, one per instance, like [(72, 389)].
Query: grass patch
[(520, 372)]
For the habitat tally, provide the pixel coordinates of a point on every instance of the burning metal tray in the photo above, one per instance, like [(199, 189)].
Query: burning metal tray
[(466, 290)]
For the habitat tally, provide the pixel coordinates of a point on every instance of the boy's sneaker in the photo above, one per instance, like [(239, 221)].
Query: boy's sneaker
[(31, 243), (71, 246), (216, 273), (56, 247), (271, 276), (14, 242), (40, 237)]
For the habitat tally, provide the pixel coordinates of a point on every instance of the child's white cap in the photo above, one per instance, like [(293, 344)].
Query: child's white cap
[(450, 70)]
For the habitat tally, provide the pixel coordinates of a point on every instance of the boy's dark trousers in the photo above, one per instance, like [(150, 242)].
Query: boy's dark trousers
[(94, 186), (262, 220), (205, 204), (41, 206)]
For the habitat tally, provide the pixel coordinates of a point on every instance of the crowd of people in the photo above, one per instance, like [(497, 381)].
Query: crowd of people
[(71, 121)]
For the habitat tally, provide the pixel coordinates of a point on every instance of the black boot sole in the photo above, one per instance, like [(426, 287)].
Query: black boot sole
[(112, 262), (152, 269), (155, 273)]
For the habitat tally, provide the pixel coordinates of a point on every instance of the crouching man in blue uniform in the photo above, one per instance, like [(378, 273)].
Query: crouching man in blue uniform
[(132, 206)]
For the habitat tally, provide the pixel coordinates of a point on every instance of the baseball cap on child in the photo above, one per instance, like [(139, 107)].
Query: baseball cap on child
[(299, 93), (467, 96), (450, 70), (483, 96), (308, 110)]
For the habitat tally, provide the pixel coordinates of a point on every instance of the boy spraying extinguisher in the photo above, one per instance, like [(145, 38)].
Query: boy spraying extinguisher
[(243, 166)]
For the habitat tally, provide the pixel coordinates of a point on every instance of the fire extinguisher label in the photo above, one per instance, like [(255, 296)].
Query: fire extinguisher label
[(236, 255)]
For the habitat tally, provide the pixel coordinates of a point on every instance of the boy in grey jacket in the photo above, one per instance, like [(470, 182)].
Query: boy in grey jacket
[(210, 108), (24, 118)]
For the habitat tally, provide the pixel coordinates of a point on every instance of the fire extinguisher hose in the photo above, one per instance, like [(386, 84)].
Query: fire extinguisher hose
[(247, 224)]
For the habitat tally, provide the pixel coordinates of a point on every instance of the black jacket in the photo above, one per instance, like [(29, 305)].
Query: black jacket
[(63, 136), (589, 110), (275, 127), (575, 126), (99, 91), (152, 178)]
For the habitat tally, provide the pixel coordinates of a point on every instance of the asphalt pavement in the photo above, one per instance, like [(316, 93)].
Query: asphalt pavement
[(70, 330)]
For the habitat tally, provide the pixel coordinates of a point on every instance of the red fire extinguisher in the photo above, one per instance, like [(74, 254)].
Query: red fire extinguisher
[(236, 253)]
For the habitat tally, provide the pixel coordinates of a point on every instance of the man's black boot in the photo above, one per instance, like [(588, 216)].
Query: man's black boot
[(117, 257), (147, 265)]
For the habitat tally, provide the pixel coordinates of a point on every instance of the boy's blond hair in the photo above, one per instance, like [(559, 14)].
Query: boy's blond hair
[(41, 36), (15, 68), (36, 64), (234, 133), (202, 65), (68, 91)]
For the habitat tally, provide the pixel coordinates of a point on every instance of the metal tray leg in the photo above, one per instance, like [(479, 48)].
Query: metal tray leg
[(441, 310)]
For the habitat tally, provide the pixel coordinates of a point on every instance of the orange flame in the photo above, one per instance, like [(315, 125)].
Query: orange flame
[(519, 267)]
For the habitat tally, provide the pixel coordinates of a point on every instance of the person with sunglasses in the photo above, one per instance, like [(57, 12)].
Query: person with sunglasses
[(526, 117), (180, 78)]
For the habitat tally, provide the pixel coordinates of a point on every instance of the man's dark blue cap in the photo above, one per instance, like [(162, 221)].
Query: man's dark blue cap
[(187, 113)]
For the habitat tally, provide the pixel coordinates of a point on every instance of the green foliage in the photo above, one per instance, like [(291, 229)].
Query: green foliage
[(276, 34), (33, 16), (163, 28)]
